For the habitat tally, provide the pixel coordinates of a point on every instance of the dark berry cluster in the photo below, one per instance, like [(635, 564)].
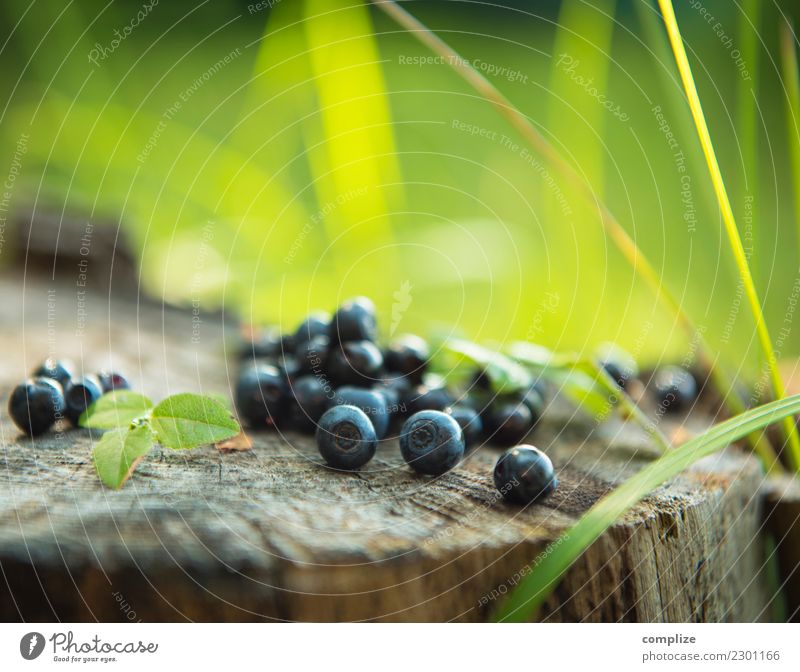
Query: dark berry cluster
[(54, 392), (331, 376)]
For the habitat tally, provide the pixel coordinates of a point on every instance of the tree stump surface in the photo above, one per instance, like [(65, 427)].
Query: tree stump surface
[(270, 534)]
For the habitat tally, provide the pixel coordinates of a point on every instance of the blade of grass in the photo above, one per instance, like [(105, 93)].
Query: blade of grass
[(526, 599), (619, 236), (791, 81), (671, 23)]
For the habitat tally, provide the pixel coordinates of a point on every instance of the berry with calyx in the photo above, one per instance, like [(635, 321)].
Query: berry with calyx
[(79, 395), (524, 474), (310, 399), (346, 438), (431, 442), (508, 421), (354, 321), (407, 355), (675, 388), (470, 421), (261, 396), (36, 404), (111, 380), (354, 363), (316, 324), (372, 403), (55, 369)]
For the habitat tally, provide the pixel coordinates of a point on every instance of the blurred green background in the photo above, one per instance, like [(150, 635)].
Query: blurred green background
[(272, 160)]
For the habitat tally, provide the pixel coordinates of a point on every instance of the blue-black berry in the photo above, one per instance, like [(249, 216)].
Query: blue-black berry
[(111, 380), (79, 395), (372, 403), (354, 363), (408, 356), (346, 438), (354, 321), (618, 363), (36, 404), (524, 474), (431, 442), (265, 344), (675, 388), (312, 354), (509, 421), (310, 399), (55, 369), (424, 398), (470, 421), (261, 396), (316, 324)]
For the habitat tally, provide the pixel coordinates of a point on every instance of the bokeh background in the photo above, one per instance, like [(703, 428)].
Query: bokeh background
[(267, 160)]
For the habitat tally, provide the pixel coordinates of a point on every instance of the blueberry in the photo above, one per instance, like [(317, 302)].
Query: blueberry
[(675, 388), (289, 367), (111, 380), (312, 354), (266, 344), (619, 364), (55, 369), (346, 437), (431, 442), (354, 363), (354, 321), (316, 324), (533, 399), (36, 404), (524, 474), (509, 421), (372, 403), (470, 422), (79, 395), (311, 398), (407, 355), (424, 398), (481, 381), (261, 396)]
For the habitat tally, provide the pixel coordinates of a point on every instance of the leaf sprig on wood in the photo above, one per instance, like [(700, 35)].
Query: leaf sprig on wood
[(134, 424)]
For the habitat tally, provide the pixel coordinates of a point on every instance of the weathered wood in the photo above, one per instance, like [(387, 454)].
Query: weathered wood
[(782, 516), (270, 534)]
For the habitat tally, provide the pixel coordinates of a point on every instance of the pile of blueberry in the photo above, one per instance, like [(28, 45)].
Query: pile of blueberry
[(331, 377), (54, 392)]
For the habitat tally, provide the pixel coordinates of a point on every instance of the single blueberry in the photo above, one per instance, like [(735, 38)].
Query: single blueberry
[(533, 399), (470, 421), (79, 395), (316, 324), (111, 380), (508, 421), (407, 355), (424, 398), (431, 442), (372, 403), (675, 388), (354, 321), (346, 438), (55, 369), (618, 363), (310, 399), (265, 344), (312, 354), (354, 363), (261, 396), (289, 367), (36, 404), (524, 474)]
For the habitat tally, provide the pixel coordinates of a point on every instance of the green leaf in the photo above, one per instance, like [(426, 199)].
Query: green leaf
[(504, 373), (523, 602), (115, 410), (190, 420), (119, 451)]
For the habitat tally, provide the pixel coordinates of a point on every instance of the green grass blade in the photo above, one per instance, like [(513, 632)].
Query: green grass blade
[(537, 586), (790, 429), (791, 81), (615, 231)]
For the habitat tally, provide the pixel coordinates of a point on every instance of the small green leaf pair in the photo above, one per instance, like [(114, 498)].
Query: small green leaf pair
[(179, 422)]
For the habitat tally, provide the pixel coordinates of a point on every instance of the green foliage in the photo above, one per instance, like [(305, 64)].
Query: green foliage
[(119, 451), (116, 409), (185, 421)]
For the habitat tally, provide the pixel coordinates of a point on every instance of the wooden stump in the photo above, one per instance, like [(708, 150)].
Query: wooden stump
[(269, 534)]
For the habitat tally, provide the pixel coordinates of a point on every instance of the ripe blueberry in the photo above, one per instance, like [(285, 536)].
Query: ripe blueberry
[(36, 404), (534, 400), (316, 324), (346, 437), (524, 474), (431, 442), (470, 422), (311, 399), (261, 395), (354, 321), (407, 355), (312, 354), (266, 344), (372, 403), (675, 388), (354, 363), (55, 369), (424, 398), (110, 381), (79, 395), (619, 364), (509, 421)]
